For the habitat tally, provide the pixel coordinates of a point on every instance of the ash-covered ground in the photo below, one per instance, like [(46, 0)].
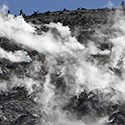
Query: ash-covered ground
[(63, 68)]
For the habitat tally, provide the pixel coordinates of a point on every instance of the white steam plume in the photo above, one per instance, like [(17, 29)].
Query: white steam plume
[(17, 56), (25, 34), (79, 72), (110, 4), (4, 9)]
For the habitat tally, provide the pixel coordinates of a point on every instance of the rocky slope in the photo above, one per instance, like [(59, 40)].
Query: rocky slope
[(80, 83)]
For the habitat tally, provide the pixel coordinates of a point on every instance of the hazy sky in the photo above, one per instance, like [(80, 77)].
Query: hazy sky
[(29, 6)]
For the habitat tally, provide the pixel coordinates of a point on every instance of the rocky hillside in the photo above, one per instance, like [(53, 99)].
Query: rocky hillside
[(63, 68), (84, 22)]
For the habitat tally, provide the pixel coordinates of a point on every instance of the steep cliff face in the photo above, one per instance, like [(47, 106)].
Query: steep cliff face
[(63, 68)]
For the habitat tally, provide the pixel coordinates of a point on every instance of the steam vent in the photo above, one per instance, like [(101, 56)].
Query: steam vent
[(63, 67)]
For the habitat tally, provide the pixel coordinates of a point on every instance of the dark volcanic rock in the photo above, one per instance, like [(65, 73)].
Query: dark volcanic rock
[(17, 106)]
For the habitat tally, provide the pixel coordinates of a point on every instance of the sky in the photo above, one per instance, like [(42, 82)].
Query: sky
[(29, 6)]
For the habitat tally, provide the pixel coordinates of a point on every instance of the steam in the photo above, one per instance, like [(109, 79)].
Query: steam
[(68, 59), (23, 33), (110, 4), (17, 56), (4, 9)]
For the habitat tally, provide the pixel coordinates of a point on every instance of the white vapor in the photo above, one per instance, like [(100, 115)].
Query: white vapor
[(64, 57), (4, 9), (23, 33), (110, 4), (17, 56)]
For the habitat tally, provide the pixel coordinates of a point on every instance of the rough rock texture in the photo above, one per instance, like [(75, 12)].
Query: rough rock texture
[(18, 107), (84, 21)]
